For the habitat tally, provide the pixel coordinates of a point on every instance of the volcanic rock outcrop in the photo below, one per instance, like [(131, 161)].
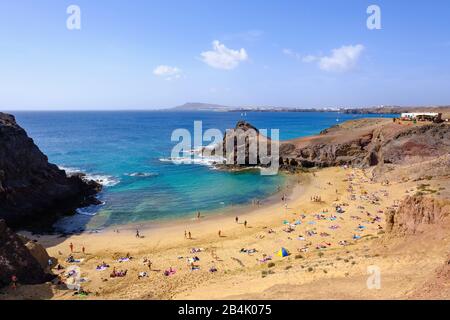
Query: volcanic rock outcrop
[(16, 259), (416, 213), (34, 192), (378, 142), (243, 147), (369, 142)]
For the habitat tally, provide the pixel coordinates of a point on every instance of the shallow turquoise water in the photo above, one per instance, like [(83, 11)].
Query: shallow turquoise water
[(115, 146)]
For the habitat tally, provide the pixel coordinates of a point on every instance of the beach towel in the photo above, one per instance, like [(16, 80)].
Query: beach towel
[(123, 259), (264, 260), (249, 251), (102, 268), (75, 261)]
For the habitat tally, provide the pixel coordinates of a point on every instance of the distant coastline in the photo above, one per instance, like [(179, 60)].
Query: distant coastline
[(205, 107)]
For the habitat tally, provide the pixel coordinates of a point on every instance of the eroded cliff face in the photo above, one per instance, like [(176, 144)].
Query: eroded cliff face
[(369, 142), (415, 214), (422, 224), (365, 143), (34, 192), (18, 258)]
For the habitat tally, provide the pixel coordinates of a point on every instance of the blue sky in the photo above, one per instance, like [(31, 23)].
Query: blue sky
[(146, 54)]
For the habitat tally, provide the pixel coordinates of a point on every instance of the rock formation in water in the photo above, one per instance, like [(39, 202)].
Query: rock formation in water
[(34, 192), (364, 143), (243, 146), (22, 258)]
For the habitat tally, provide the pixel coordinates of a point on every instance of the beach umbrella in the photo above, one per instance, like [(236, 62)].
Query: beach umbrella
[(283, 252)]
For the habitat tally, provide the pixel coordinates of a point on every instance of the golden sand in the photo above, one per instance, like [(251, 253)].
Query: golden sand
[(318, 266)]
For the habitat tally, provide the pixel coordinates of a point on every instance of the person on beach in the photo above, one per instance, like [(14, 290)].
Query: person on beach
[(220, 233), (189, 235), (245, 223), (71, 247), (149, 264), (137, 233), (14, 282), (198, 215), (185, 234), (83, 249), (237, 219)]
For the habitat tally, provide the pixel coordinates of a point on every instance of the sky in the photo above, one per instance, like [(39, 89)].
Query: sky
[(149, 54)]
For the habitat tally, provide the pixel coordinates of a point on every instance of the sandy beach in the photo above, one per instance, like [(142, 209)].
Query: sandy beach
[(329, 251)]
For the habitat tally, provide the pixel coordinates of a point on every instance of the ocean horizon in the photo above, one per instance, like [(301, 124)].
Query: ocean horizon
[(129, 153)]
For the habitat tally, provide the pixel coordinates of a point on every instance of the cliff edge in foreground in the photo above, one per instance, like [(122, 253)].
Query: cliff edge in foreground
[(21, 258), (34, 192)]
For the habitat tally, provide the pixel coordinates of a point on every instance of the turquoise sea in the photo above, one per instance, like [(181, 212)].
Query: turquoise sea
[(128, 152)]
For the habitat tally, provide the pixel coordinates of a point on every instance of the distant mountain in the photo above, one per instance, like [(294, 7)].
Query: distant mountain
[(197, 106)]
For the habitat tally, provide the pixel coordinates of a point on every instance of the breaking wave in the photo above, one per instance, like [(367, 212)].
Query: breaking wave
[(104, 180)]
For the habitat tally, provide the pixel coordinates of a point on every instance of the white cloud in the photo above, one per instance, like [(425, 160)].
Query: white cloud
[(292, 53), (309, 58), (223, 58), (298, 56), (340, 60), (168, 72)]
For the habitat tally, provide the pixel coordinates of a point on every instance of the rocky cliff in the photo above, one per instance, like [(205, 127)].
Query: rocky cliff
[(34, 192), (364, 143), (369, 142), (421, 226), (19, 257), (416, 213), (243, 146)]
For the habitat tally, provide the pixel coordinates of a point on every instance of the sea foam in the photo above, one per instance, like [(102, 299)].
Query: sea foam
[(204, 161), (104, 180)]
